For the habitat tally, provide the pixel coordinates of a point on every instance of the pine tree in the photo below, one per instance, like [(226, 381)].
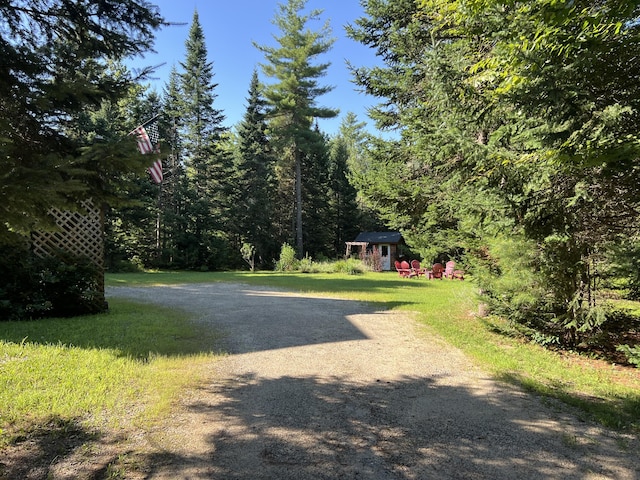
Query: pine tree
[(355, 138), (316, 198), (132, 214), (174, 190), (255, 178), (519, 134), (345, 215), (202, 122), (208, 165), (292, 97), (56, 64)]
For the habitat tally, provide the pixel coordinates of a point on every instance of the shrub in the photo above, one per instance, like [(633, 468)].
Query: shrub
[(134, 265), (350, 266), (248, 252), (287, 261), (70, 285), (632, 354), (373, 260), (59, 286), (506, 274), (306, 265)]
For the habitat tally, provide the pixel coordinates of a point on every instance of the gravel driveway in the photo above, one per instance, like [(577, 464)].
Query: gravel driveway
[(320, 388)]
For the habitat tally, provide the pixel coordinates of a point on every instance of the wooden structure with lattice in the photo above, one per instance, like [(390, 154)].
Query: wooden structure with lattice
[(79, 233)]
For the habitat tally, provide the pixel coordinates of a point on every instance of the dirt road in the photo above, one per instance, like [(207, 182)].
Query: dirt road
[(318, 388)]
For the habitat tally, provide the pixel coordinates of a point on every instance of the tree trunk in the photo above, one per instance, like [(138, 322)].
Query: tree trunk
[(298, 187)]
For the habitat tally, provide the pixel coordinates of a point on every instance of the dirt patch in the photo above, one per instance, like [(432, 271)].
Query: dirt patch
[(321, 388)]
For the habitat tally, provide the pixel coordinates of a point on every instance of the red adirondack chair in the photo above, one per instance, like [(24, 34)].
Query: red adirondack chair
[(403, 269), (437, 271), (450, 271), (415, 266), (405, 266)]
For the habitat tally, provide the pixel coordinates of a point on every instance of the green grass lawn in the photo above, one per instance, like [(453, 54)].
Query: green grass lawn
[(126, 365), (130, 364)]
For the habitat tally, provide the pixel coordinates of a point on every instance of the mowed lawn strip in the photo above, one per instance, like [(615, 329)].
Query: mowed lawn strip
[(99, 371)]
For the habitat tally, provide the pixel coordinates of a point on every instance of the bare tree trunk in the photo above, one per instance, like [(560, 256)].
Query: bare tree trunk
[(298, 187)]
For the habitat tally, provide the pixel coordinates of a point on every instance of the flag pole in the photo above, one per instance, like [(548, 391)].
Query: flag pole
[(158, 221), (145, 123)]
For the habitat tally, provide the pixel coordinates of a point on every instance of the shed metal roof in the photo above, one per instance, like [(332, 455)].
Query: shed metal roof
[(380, 237)]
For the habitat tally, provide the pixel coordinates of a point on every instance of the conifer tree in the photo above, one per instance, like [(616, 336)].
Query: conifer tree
[(316, 198), (129, 213), (55, 65), (255, 183), (201, 120), (355, 138), (519, 134), (174, 190), (208, 166), (293, 95), (345, 215)]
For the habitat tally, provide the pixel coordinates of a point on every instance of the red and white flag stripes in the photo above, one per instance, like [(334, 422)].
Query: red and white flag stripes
[(148, 139), (155, 171)]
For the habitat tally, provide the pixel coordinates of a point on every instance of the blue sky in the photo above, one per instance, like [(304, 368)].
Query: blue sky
[(231, 27)]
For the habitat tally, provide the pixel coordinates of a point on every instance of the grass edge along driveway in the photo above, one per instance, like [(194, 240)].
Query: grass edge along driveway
[(127, 366), (608, 394)]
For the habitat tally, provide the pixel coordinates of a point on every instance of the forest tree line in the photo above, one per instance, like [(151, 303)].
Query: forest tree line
[(274, 179), (69, 103), (519, 144)]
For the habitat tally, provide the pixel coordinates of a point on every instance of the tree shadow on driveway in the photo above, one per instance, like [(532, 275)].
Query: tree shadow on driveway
[(322, 388), (415, 428)]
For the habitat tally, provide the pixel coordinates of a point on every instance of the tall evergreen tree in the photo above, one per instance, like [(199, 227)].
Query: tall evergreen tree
[(345, 215), (356, 141), (175, 185), (355, 138), (316, 198), (130, 212), (201, 120), (255, 185), (53, 67), (293, 95), (514, 137), (208, 166)]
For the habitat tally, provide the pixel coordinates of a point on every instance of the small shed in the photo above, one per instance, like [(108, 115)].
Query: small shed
[(387, 244)]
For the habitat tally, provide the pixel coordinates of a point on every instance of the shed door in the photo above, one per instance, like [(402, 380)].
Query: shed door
[(385, 257)]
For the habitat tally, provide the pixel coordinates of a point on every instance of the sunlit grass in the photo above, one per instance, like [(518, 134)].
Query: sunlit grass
[(127, 365)]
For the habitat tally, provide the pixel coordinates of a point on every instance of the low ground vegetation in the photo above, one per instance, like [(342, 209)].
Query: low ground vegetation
[(289, 263), (61, 285)]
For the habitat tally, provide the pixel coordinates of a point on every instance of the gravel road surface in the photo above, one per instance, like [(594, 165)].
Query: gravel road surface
[(322, 388)]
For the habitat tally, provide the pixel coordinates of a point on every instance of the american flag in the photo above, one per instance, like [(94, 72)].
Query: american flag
[(156, 171), (148, 140)]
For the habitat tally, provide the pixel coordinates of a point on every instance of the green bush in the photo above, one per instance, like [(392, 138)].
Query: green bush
[(350, 266), (632, 354), (134, 265), (507, 277), (287, 261), (307, 265), (58, 286), (624, 266)]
